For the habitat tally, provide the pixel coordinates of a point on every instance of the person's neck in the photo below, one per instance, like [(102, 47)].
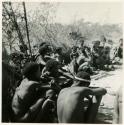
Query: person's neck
[(34, 80), (74, 85)]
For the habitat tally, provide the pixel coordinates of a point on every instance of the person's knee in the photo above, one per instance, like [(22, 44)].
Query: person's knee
[(99, 91), (51, 94)]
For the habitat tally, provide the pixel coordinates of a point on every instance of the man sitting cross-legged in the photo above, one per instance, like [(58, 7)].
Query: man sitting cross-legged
[(71, 100)]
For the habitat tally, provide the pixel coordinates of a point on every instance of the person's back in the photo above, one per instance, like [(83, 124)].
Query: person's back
[(25, 96), (75, 105), (70, 105), (26, 105)]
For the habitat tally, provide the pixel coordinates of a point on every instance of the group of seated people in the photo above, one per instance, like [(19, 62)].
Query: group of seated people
[(80, 58), (32, 103), (50, 93)]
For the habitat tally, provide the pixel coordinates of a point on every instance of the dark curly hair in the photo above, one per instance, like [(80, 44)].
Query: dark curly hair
[(52, 64), (30, 70), (42, 44), (44, 49), (58, 50), (84, 75)]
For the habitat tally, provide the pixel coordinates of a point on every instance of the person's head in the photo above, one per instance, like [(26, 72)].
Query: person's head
[(15, 56), (121, 42), (43, 43), (52, 67), (74, 49), (82, 79), (58, 50), (85, 68), (44, 49), (107, 49), (96, 43), (81, 40), (32, 71)]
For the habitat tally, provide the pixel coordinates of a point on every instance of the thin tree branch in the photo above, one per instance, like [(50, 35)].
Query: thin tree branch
[(25, 16)]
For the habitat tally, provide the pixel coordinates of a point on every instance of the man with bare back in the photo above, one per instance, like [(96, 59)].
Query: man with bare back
[(71, 101)]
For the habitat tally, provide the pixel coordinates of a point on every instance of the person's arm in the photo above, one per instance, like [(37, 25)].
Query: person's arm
[(95, 53), (32, 112), (54, 86), (37, 105), (48, 105), (116, 111), (83, 65), (71, 56), (98, 91), (66, 74), (41, 61), (48, 110), (86, 91)]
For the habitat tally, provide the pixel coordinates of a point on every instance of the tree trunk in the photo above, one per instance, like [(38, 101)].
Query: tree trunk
[(25, 16), (13, 18)]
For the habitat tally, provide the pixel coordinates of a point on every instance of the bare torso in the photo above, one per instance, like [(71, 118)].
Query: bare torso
[(70, 106)]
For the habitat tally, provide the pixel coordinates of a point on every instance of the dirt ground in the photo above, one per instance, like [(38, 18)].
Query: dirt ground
[(110, 81)]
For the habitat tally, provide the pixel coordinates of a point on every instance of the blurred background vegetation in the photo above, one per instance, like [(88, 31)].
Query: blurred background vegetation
[(42, 28)]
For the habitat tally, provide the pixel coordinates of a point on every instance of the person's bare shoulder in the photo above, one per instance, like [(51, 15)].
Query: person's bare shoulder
[(76, 90), (64, 90)]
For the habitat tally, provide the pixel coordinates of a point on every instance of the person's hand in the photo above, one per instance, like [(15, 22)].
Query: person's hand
[(52, 83), (45, 74)]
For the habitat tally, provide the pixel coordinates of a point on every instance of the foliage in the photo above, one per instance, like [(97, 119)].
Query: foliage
[(42, 28)]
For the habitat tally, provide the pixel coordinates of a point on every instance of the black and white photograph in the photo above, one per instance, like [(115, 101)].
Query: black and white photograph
[(62, 62)]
